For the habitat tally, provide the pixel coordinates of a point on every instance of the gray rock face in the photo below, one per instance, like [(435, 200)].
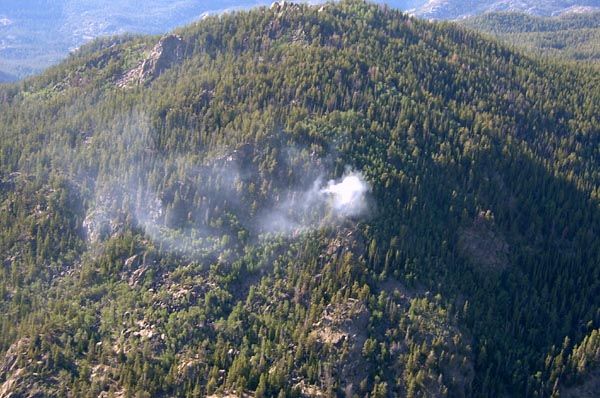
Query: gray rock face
[(98, 227), (166, 53)]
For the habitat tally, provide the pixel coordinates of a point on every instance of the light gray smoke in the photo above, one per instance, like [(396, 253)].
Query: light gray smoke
[(348, 197), (322, 204), (214, 210)]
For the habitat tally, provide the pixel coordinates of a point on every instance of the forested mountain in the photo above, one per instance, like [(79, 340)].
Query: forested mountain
[(572, 36), (335, 200), (35, 34)]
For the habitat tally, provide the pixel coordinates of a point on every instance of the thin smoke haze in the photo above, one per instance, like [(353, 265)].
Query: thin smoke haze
[(303, 200)]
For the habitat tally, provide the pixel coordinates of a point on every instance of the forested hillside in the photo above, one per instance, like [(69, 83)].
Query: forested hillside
[(35, 34), (299, 200), (572, 36)]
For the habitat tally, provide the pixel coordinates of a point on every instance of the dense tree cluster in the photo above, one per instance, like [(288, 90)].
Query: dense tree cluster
[(573, 36), (134, 261)]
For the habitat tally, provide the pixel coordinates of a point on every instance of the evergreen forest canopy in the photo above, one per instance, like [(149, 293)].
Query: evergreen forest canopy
[(571, 36), (35, 34), (333, 200)]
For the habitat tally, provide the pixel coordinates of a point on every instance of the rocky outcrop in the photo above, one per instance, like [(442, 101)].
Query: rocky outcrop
[(20, 374), (343, 328), (166, 53), (282, 6), (100, 225), (342, 322)]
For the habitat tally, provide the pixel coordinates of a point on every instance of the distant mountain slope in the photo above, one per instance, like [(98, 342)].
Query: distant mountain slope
[(37, 33), (570, 36), (299, 202), (454, 9), (6, 78)]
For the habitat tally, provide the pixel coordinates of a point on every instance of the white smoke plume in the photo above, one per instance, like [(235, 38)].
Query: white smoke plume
[(348, 198), (322, 204)]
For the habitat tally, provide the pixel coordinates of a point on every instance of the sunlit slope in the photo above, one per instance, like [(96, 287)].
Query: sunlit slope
[(300, 200), (570, 37)]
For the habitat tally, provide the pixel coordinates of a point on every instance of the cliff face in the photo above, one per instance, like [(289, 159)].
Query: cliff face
[(166, 53)]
